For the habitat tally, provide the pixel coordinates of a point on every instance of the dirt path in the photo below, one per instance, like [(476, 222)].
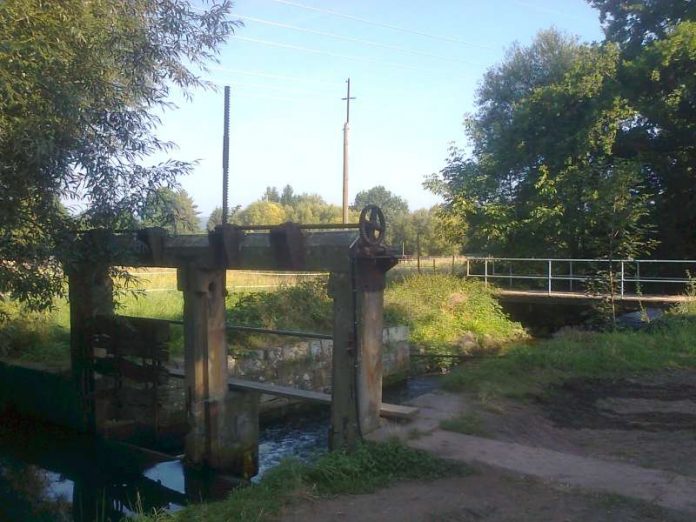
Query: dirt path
[(590, 451), (489, 496)]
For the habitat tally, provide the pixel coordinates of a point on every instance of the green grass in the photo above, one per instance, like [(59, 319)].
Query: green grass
[(523, 370), (35, 336), (370, 467), (442, 310)]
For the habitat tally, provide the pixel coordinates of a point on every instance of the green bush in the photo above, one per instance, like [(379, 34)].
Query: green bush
[(305, 306)]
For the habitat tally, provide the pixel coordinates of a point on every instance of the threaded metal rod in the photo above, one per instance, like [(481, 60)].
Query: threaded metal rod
[(226, 156)]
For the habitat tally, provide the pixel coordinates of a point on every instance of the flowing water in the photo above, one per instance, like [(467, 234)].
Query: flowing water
[(47, 474)]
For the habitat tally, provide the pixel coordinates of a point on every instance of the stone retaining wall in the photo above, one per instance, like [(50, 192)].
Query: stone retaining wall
[(307, 365)]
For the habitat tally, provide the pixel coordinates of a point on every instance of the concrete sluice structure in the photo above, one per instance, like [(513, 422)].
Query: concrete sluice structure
[(119, 365)]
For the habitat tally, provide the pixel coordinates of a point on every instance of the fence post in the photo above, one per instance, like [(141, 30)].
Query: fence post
[(485, 272), (467, 268), (510, 274), (549, 276), (571, 276), (434, 269), (452, 264), (622, 278), (639, 288)]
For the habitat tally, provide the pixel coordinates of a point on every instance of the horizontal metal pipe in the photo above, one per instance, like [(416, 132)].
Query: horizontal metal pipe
[(578, 278), (541, 259), (255, 329), (288, 333), (318, 226)]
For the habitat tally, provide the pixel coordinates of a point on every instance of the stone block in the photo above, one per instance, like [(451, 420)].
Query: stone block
[(398, 333), (315, 349), (327, 347), (274, 354), (296, 352)]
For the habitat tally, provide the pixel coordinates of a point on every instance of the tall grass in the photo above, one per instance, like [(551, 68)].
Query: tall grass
[(35, 336), (442, 309)]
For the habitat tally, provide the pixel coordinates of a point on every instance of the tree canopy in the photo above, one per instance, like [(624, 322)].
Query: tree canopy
[(175, 211), (435, 232), (584, 149), (391, 204), (81, 86)]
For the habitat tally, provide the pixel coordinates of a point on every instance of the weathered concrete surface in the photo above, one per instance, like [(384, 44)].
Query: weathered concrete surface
[(663, 488), (307, 365)]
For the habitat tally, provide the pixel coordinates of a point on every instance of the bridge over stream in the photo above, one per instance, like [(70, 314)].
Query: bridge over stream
[(652, 282)]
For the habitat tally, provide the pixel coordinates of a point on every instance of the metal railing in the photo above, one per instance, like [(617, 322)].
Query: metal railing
[(257, 329), (624, 273)]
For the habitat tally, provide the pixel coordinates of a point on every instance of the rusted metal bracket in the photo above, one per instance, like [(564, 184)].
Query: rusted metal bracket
[(287, 241), (154, 240), (226, 241)]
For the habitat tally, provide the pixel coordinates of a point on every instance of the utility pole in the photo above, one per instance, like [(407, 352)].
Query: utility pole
[(346, 132)]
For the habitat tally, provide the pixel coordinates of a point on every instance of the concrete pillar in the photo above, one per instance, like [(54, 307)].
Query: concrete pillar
[(90, 293), (370, 282), (223, 426), (357, 353)]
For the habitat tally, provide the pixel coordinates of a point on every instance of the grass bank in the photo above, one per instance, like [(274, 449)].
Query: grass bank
[(370, 467), (520, 371), (448, 314), (445, 314)]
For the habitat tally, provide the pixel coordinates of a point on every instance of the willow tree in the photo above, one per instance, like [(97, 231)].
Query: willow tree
[(81, 85)]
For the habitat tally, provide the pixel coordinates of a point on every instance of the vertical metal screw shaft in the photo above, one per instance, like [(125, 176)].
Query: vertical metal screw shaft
[(226, 157)]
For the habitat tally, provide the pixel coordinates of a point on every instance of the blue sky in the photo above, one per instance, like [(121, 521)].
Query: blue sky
[(412, 91)]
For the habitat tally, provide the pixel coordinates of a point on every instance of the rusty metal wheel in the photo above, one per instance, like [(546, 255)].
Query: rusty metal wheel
[(372, 225)]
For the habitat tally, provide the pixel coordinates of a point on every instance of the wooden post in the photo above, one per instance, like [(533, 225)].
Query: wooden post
[(223, 427), (344, 431), (90, 294), (357, 355)]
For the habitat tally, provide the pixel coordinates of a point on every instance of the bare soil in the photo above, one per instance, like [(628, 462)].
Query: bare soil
[(647, 421), (489, 495)]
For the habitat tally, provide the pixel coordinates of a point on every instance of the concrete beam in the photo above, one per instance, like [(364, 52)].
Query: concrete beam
[(323, 251)]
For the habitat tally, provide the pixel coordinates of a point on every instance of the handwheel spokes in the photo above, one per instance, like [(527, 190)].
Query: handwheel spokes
[(372, 225)]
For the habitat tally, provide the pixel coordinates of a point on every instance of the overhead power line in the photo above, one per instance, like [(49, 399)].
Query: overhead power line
[(380, 24), (261, 74), (351, 39), (312, 50), (288, 90), (264, 96)]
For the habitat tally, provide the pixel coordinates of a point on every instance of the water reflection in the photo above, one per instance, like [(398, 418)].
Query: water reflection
[(48, 474)]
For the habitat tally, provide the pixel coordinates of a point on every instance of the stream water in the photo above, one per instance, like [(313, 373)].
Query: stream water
[(47, 474)]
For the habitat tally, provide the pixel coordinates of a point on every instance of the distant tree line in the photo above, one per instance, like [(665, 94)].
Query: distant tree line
[(585, 150), (406, 230)]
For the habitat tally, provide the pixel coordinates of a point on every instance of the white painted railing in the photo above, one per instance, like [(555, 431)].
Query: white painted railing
[(626, 272)]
